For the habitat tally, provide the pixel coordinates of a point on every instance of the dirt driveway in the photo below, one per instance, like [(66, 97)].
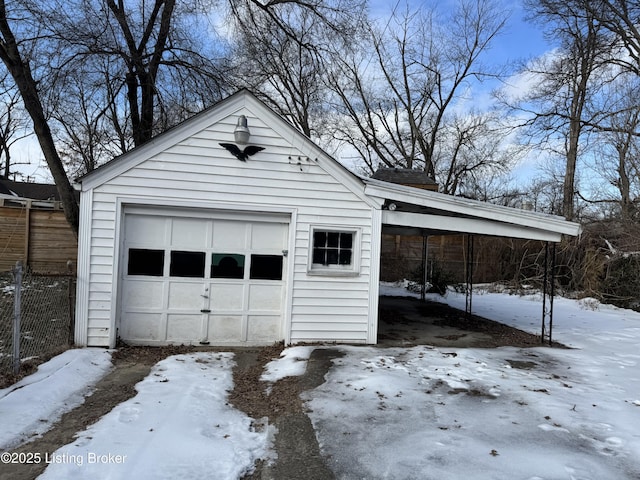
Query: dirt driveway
[(296, 445)]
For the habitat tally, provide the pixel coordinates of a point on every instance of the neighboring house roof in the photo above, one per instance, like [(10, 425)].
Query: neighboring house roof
[(34, 191), (403, 176)]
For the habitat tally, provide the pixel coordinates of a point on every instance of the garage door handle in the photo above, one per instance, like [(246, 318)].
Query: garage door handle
[(205, 310)]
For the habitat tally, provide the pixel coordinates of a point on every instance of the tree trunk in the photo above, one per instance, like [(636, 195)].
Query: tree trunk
[(624, 184), (568, 193), (21, 73)]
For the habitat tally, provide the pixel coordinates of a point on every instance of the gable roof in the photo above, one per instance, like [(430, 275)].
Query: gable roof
[(230, 106)]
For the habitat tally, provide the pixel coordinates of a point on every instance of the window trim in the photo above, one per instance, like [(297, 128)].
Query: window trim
[(351, 270)]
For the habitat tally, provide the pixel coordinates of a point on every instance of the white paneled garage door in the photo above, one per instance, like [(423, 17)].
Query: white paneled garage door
[(215, 278)]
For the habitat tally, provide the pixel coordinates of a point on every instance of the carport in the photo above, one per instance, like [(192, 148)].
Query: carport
[(416, 212)]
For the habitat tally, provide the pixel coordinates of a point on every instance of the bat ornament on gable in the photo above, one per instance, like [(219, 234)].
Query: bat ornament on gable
[(241, 155)]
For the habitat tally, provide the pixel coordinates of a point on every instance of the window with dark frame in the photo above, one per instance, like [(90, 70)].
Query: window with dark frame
[(332, 248), (187, 264), (147, 262)]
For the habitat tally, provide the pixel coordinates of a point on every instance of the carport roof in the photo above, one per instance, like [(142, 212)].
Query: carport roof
[(425, 212)]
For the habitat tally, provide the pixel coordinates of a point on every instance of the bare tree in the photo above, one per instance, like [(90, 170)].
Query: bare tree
[(20, 70), (617, 161), (471, 149), (620, 17), (566, 82), (148, 65), (331, 13), (93, 136), (286, 66), (286, 72), (13, 125), (398, 100), (139, 61), (141, 42)]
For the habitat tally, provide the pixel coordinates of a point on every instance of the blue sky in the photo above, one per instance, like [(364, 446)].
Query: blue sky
[(519, 41)]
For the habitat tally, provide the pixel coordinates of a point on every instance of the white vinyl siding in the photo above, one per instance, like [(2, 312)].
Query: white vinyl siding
[(198, 173)]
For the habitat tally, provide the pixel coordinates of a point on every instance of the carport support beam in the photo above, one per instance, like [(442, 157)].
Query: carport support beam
[(425, 254), (469, 276), (548, 290)]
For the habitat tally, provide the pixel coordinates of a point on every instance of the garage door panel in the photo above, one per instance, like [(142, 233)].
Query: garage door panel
[(227, 297), (185, 296), (225, 328), (143, 229), (229, 235), (263, 328), (265, 297), (144, 326), (143, 294), (184, 328), (189, 233), (267, 236)]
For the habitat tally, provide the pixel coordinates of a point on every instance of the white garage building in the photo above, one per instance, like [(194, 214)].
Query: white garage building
[(182, 242)]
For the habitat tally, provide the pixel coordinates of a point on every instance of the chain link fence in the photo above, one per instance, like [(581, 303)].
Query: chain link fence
[(45, 322)]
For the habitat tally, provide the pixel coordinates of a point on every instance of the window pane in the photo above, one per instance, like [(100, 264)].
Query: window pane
[(187, 264), (332, 256), (318, 256), (332, 239), (319, 239), (227, 265), (266, 267), (346, 240), (345, 257), (145, 262)]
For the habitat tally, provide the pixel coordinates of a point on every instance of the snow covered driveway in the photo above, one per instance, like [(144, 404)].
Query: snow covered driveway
[(442, 414), (177, 426), (506, 413)]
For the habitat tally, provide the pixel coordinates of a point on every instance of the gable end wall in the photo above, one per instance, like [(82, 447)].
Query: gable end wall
[(197, 171)]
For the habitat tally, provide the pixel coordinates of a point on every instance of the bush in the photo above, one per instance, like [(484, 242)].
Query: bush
[(621, 285), (438, 279)]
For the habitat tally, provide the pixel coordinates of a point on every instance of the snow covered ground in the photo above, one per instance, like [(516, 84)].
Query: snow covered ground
[(393, 413), (31, 406), (505, 413)]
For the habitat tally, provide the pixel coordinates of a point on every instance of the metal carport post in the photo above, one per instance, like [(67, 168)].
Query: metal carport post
[(548, 290)]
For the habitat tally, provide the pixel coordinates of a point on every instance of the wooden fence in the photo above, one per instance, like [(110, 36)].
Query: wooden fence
[(38, 236), (495, 258)]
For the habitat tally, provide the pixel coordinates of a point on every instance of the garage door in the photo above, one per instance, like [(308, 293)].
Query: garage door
[(189, 279)]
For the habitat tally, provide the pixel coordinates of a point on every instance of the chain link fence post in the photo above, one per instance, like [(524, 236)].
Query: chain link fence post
[(17, 282), (71, 296), (36, 320)]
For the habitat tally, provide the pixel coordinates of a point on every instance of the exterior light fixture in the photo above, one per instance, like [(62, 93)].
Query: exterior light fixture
[(241, 133), (392, 206)]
